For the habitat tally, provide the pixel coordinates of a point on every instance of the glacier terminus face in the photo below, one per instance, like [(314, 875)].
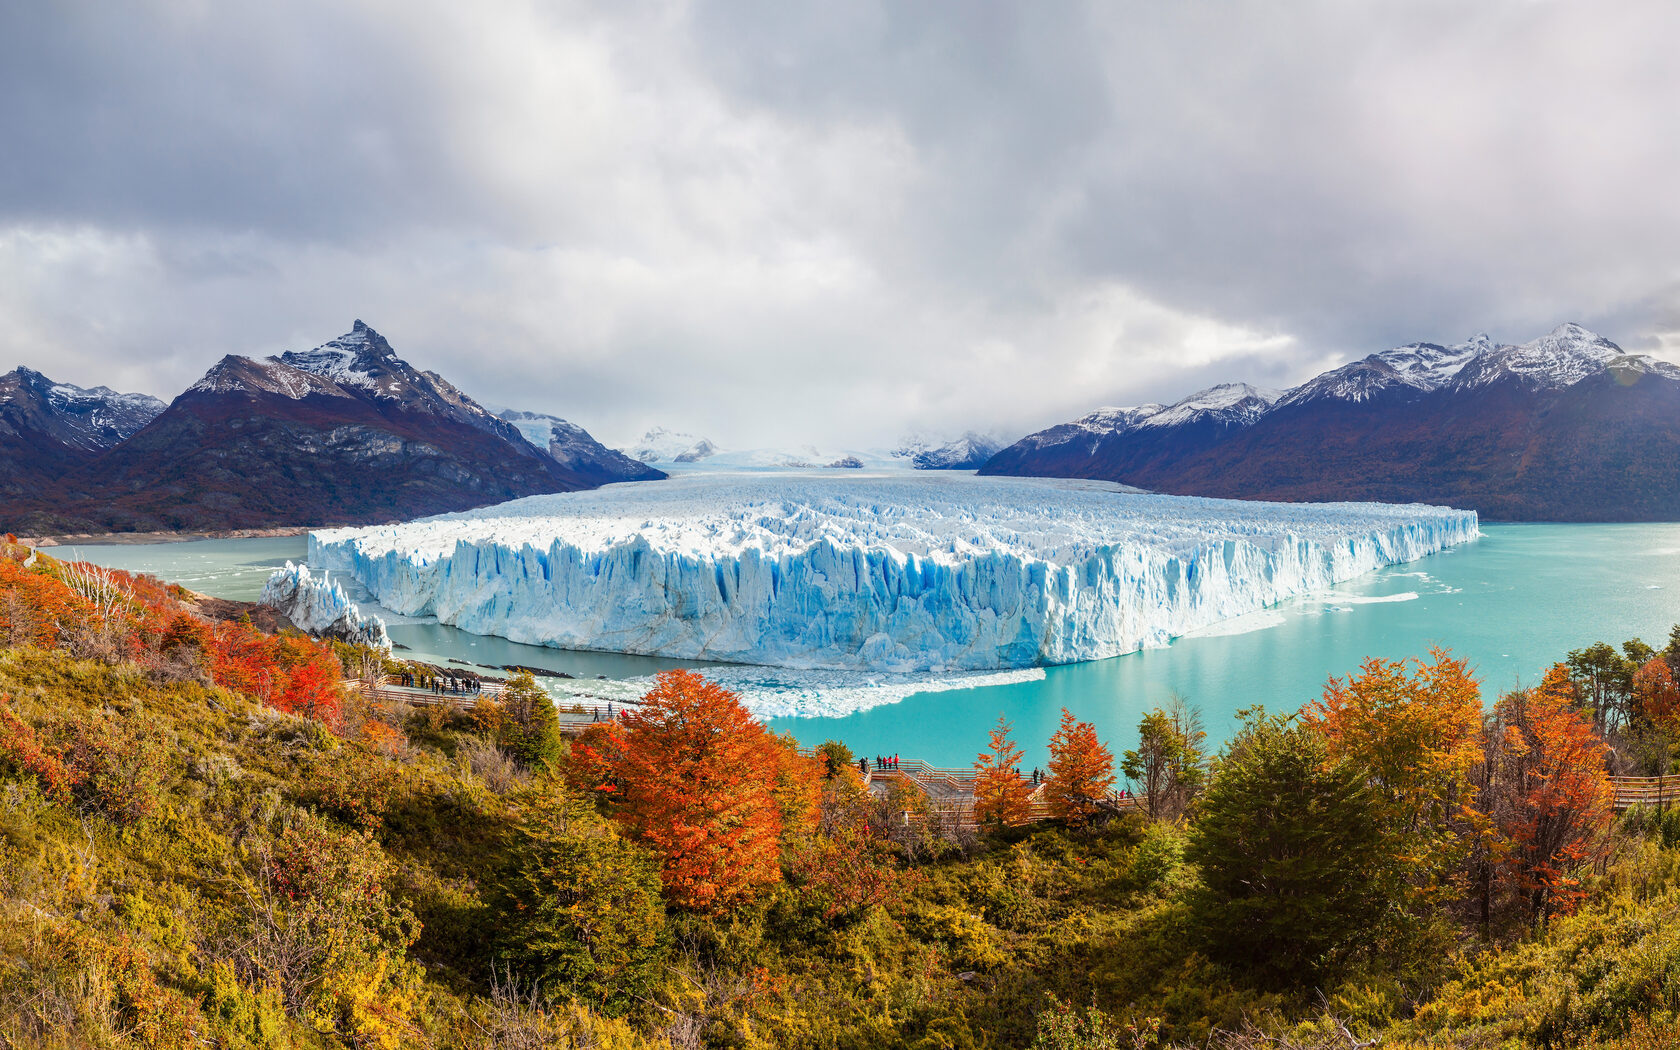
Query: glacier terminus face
[(892, 573)]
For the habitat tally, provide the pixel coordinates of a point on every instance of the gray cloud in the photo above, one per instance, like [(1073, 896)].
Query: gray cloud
[(776, 223)]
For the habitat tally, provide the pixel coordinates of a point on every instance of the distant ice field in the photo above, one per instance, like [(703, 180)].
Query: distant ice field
[(877, 572)]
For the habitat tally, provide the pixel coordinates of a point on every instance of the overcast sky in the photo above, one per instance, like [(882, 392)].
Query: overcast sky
[(777, 223)]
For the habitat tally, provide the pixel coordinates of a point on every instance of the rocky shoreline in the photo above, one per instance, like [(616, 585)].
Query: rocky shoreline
[(90, 539)]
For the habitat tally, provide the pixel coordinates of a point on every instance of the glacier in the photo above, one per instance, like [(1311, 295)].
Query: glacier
[(880, 572), (318, 606)]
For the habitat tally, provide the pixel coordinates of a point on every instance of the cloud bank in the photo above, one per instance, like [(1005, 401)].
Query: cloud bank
[(829, 223)]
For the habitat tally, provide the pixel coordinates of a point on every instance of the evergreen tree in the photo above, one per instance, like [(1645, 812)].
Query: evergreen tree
[(530, 726), (587, 918), (1298, 870)]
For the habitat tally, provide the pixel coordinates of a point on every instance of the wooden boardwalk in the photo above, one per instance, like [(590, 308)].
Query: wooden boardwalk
[(1652, 791), (575, 717), (950, 792)]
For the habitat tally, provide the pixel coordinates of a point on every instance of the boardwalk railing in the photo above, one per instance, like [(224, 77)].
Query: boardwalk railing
[(1651, 791), (575, 716), (950, 792)]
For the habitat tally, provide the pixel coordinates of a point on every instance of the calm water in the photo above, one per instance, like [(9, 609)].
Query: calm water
[(1512, 603)]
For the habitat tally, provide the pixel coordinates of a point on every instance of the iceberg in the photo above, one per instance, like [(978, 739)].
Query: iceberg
[(319, 607), (896, 573)]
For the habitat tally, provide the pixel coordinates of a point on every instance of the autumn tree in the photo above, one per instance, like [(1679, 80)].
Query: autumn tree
[(1551, 797), (1081, 770), (1002, 797), (1417, 729), (1648, 746), (796, 783), (692, 775), (1168, 765), (1656, 698)]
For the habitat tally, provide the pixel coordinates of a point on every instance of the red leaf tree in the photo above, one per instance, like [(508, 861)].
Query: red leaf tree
[(705, 785), (1002, 797), (1552, 797), (1081, 770)]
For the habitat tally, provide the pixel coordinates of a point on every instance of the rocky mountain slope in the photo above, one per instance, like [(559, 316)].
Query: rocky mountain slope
[(48, 428), (346, 432), (1566, 427), (572, 447), (968, 452)]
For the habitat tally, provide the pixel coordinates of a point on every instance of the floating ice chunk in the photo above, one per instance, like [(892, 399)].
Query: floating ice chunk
[(896, 573), (319, 607)]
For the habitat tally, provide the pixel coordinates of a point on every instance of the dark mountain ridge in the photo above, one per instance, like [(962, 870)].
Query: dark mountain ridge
[(346, 433), (573, 448), (1567, 427)]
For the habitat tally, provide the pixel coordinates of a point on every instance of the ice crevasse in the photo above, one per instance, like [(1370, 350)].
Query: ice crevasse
[(885, 573)]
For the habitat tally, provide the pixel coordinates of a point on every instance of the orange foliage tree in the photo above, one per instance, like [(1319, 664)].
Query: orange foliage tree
[(1417, 728), (1002, 797), (1656, 698), (145, 619), (1081, 770), (695, 777), (1551, 796)]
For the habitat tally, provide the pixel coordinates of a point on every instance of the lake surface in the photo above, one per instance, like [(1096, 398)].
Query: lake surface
[(1512, 603)]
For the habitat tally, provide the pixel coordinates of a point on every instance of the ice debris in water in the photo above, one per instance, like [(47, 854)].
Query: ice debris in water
[(886, 573), (318, 606)]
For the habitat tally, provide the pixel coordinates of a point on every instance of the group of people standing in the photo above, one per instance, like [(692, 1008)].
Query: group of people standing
[(881, 762), (441, 685)]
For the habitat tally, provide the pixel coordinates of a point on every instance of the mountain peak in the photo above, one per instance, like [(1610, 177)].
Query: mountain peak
[(1562, 357), (91, 420), (664, 445)]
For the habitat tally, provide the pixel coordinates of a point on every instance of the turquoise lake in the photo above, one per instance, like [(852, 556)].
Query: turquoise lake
[(1511, 603)]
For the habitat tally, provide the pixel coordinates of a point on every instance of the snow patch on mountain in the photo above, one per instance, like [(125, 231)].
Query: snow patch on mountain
[(575, 449), (1237, 403), (1560, 358), (92, 419), (661, 445), (970, 451), (247, 375), (892, 573)]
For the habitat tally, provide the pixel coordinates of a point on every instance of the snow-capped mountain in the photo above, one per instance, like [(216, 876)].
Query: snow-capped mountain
[(90, 420), (345, 432), (661, 445), (967, 452), (573, 448), (1566, 426), (49, 430)]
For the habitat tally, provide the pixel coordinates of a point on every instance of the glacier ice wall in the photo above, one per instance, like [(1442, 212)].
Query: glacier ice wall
[(319, 607), (888, 573)]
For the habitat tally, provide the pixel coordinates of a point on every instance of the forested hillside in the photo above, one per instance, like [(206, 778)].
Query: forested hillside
[(209, 838)]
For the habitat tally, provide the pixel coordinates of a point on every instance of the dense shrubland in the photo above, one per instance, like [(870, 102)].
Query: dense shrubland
[(207, 840)]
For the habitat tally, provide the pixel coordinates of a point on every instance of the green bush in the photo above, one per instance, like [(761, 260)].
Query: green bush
[(587, 915)]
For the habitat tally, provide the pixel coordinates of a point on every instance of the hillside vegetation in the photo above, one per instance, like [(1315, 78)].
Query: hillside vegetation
[(206, 839)]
